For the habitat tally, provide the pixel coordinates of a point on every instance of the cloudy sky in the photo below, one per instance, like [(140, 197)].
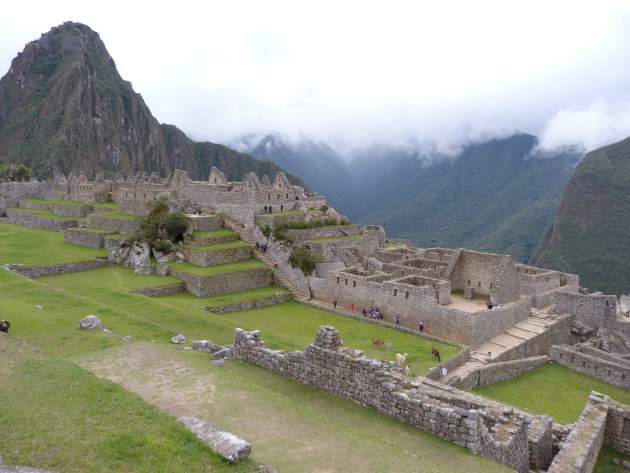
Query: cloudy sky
[(355, 73)]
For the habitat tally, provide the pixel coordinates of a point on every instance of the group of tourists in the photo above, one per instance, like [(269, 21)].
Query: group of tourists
[(269, 208), (261, 247), (373, 312)]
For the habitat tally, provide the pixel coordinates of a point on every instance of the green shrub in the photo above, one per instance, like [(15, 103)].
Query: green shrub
[(164, 246), (304, 258), (324, 208)]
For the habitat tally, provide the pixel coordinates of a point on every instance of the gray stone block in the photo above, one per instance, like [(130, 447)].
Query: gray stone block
[(229, 446)]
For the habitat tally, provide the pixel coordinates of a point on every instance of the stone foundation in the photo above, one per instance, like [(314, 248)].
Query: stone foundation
[(494, 372), (615, 372), (214, 257), (202, 286), (62, 268)]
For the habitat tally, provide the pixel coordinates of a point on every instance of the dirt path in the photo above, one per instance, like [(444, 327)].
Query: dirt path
[(291, 426)]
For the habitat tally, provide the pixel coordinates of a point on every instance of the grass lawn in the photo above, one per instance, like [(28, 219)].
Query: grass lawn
[(243, 265), (109, 205), (35, 246), (58, 416), (339, 238), (389, 244), (551, 389), (219, 232), (604, 461), (49, 214), (228, 245)]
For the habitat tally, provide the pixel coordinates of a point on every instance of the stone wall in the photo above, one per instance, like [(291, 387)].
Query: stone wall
[(85, 238), (202, 286), (617, 433), (211, 258), (482, 426), (559, 332), (162, 290), (614, 372), (325, 232), (587, 309), (24, 190), (31, 219), (36, 205), (62, 268), (120, 225), (205, 222), (580, 449), (206, 241), (73, 210), (415, 306), (329, 250), (7, 203), (277, 298), (494, 372)]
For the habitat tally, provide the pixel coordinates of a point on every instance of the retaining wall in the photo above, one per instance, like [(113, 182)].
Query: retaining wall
[(85, 238), (617, 373), (24, 190), (482, 426), (558, 333), (161, 291), (494, 372), (581, 447), (30, 219), (202, 286), (245, 305), (206, 241), (205, 222), (617, 433), (62, 268), (120, 225), (73, 210), (7, 203), (213, 257)]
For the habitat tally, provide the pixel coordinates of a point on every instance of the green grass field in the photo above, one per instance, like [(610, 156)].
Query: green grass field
[(604, 461), (114, 214), (92, 229), (64, 418), (34, 246), (551, 389)]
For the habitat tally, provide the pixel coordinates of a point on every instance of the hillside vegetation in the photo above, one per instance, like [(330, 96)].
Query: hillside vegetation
[(64, 107), (589, 234)]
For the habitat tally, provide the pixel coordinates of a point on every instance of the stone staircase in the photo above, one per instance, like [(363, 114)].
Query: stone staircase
[(278, 275), (537, 323)]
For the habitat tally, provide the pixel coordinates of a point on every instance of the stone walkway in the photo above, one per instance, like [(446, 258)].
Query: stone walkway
[(534, 325)]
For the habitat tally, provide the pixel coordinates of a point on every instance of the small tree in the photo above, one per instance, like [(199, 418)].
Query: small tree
[(304, 258), (175, 225)]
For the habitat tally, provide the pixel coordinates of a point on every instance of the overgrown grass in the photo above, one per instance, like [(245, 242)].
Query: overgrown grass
[(57, 416), (244, 265), (552, 389), (604, 460), (220, 246), (35, 246)]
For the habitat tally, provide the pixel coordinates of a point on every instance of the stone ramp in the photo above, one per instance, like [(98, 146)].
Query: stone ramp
[(532, 326)]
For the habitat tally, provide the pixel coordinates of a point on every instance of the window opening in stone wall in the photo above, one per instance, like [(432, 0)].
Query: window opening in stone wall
[(354, 284), (469, 282), (337, 279), (490, 285), (395, 292), (286, 196), (583, 363), (268, 196), (609, 372), (478, 283), (278, 196), (625, 431), (547, 279), (406, 294), (346, 282), (607, 303)]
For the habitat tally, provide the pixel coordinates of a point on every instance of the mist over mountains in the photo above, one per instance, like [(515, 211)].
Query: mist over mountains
[(494, 196)]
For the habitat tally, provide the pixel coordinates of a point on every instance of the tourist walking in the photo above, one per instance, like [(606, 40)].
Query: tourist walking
[(421, 327)]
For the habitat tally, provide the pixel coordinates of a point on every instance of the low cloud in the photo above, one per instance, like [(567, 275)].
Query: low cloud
[(585, 129)]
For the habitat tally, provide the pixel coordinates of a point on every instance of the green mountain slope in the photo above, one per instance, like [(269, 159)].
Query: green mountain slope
[(590, 232), (64, 107), (492, 197), (319, 166)]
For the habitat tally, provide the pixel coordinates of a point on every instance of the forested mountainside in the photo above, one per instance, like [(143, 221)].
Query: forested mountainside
[(64, 107), (316, 163), (493, 197), (590, 231)]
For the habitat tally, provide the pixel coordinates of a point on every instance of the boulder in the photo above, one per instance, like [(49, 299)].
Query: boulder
[(179, 339), (91, 322), (128, 338), (139, 255), (224, 353), (229, 446), (206, 345)]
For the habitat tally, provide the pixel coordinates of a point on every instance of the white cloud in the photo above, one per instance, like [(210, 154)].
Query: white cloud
[(585, 129)]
